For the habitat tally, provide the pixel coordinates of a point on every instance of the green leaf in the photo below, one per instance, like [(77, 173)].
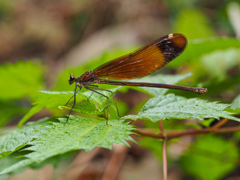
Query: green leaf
[(96, 105), (9, 110), (78, 133), (20, 80), (19, 138), (30, 113), (216, 87), (207, 122), (6, 162), (153, 145), (200, 26), (236, 102), (219, 63), (54, 161), (203, 47), (210, 157), (177, 107), (235, 107), (48, 100)]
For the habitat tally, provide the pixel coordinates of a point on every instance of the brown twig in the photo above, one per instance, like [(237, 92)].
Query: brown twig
[(164, 153), (219, 124), (187, 132), (134, 122), (164, 150), (160, 123), (148, 134)]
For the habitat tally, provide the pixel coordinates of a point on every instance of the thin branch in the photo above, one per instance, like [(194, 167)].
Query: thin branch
[(148, 134), (160, 123), (219, 124), (164, 154), (187, 132), (164, 150)]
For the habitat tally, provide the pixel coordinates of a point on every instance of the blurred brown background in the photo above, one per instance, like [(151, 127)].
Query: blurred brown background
[(64, 33)]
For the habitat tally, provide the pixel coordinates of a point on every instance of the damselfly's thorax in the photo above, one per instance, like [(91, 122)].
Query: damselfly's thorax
[(88, 76)]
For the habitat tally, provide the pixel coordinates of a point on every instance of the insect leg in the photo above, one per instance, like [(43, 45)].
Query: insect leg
[(72, 97), (96, 88), (74, 101), (101, 95)]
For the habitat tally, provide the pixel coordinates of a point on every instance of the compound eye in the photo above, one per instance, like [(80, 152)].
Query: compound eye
[(71, 79)]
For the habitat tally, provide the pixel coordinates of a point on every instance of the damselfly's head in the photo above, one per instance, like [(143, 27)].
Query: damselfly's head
[(71, 79)]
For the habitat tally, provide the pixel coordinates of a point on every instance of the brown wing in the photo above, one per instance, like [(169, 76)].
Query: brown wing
[(144, 61)]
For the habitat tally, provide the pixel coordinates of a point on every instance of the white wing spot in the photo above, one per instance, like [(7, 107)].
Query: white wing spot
[(170, 36)]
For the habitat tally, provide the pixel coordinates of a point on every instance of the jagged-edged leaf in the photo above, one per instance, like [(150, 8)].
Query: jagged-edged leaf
[(171, 106), (20, 80), (96, 104), (48, 100), (19, 138), (210, 157), (78, 133)]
